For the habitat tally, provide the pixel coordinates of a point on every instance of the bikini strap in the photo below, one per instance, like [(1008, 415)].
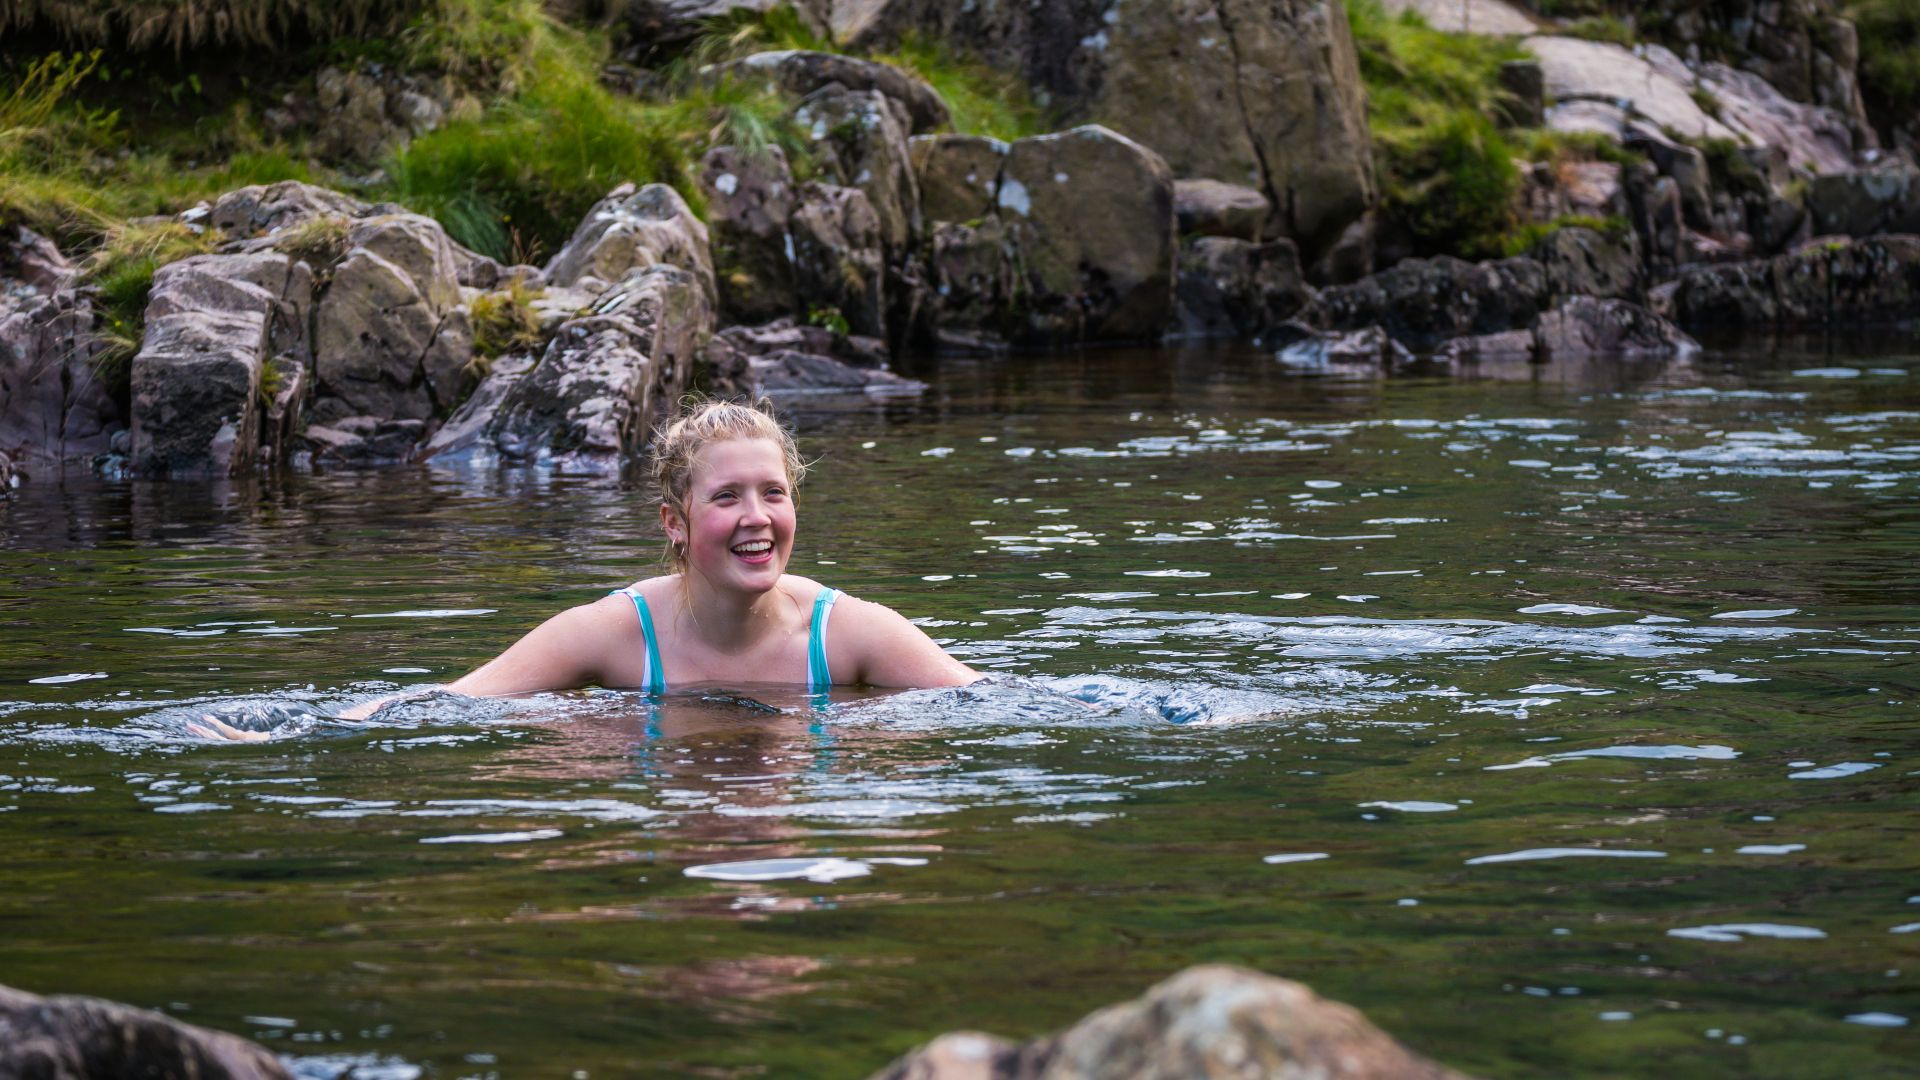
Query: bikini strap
[(819, 678), (652, 678)]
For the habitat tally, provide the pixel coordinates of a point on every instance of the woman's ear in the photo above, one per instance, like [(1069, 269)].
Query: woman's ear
[(672, 524)]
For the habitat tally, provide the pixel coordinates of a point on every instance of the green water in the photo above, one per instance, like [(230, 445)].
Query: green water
[(1666, 610)]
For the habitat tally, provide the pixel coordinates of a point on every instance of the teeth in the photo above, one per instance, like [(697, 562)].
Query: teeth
[(754, 548)]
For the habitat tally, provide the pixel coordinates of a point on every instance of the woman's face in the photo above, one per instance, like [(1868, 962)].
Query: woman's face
[(738, 531)]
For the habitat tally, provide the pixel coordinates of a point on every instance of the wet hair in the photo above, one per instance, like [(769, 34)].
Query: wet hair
[(701, 422)]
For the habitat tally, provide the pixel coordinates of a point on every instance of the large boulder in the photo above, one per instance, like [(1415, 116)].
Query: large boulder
[(1869, 201), (77, 1038), (633, 228), (1262, 93), (1422, 302), (750, 199), (1090, 212), (1584, 262), (958, 175), (976, 284), (860, 143), (1208, 1021), (1825, 282), (839, 256), (212, 324), (56, 403), (392, 337), (589, 402), (802, 72), (1237, 288)]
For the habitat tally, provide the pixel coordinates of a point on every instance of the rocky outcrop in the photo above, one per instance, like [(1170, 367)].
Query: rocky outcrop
[(265, 208), (1824, 283), (1263, 93), (918, 107), (590, 400), (633, 228), (1421, 302), (56, 401), (750, 200), (839, 257), (860, 143), (1211, 1021), (75, 1038), (1583, 262), (1585, 326), (1237, 288), (213, 322)]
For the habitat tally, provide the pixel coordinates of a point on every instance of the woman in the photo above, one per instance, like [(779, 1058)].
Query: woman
[(729, 611)]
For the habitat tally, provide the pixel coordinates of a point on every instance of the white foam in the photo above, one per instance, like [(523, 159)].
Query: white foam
[(1533, 854), (1294, 857), (1738, 931)]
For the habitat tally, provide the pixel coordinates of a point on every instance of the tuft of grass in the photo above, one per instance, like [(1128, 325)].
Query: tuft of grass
[(504, 321), (1608, 28), (1889, 55), (321, 241), (1528, 236), (984, 100), (1561, 147), (121, 269)]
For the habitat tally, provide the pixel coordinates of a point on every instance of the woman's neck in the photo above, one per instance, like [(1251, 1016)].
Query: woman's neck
[(728, 620)]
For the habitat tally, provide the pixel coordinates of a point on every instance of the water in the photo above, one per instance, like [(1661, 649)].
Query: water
[(1563, 721)]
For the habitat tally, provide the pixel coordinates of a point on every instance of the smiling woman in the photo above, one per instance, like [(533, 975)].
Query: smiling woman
[(729, 611)]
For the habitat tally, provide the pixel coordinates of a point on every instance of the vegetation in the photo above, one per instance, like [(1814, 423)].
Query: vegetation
[(121, 267), (504, 321), (1608, 28), (1890, 54), (179, 25), (984, 100), (1528, 237)]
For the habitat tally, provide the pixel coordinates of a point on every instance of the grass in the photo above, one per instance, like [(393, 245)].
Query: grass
[(1527, 237), (504, 321), (121, 268), (984, 100), (1890, 54), (180, 25), (1608, 28)]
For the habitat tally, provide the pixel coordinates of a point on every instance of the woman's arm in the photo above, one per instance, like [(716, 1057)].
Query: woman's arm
[(877, 646)]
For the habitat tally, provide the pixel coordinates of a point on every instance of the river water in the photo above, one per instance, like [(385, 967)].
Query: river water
[(1563, 720)]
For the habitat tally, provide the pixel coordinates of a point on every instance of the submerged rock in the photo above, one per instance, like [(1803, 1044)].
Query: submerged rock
[(1209, 1021), (1371, 346), (78, 1038)]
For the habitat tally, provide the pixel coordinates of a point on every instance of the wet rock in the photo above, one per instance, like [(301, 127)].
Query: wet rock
[(1264, 93), (1422, 302), (975, 284), (802, 72), (287, 386), (630, 229), (1209, 1021), (591, 399), (363, 440), (75, 1038), (750, 199), (392, 337), (9, 477), (1869, 201), (1825, 282), (1090, 212), (1505, 345), (1213, 208), (1371, 346), (958, 175), (1583, 262), (56, 398), (839, 258), (790, 373), (861, 144), (1585, 326), (1237, 288), (787, 335)]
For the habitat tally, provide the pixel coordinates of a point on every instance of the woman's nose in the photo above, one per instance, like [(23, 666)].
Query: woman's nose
[(754, 512)]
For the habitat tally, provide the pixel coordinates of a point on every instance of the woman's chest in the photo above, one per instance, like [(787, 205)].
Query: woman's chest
[(781, 658)]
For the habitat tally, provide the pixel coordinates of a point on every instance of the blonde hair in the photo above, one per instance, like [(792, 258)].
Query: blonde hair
[(702, 422)]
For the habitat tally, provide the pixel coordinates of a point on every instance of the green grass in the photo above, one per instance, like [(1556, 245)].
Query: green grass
[(177, 26), (1527, 237), (504, 321), (1890, 54), (1608, 28), (984, 100)]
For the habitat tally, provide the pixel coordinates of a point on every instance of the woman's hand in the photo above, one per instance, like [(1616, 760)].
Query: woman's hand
[(210, 726)]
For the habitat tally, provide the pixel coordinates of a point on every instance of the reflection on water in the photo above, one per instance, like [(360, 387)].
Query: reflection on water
[(1582, 696)]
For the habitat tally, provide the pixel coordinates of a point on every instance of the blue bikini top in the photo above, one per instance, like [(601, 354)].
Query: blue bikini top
[(819, 679)]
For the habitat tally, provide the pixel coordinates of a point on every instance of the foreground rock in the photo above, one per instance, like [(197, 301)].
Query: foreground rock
[(79, 1038), (1422, 302), (1583, 327), (1213, 1021), (1824, 283), (1237, 288)]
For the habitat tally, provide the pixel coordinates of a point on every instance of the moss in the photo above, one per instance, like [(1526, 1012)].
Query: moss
[(1729, 169), (504, 321), (1560, 147), (828, 317), (1527, 237), (1608, 28), (1708, 101)]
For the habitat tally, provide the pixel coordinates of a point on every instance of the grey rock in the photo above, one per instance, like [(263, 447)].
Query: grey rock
[(1507, 344), (590, 401), (839, 256), (77, 1038), (9, 475), (55, 401), (1585, 326), (363, 440), (1868, 201), (791, 373), (1208, 1021), (1214, 208), (1582, 262), (1090, 212), (1422, 302), (1825, 282), (787, 335), (975, 283), (34, 261), (263, 208), (1371, 346), (383, 347), (958, 175), (291, 385), (861, 144), (1237, 288), (801, 72), (750, 199), (633, 228)]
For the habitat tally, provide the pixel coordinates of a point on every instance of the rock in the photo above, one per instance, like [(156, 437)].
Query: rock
[(1825, 282), (1815, 138), (9, 476), (976, 287), (958, 175), (786, 335), (1469, 16), (34, 261), (76, 1038), (1090, 212), (1576, 69), (1237, 288), (1422, 302), (287, 387), (363, 440), (860, 144), (802, 72), (212, 324), (1881, 200), (1525, 85), (56, 401), (1592, 188), (1685, 164), (591, 400), (633, 228), (791, 373), (1371, 346), (1264, 93), (1505, 345), (1582, 262), (1585, 326), (839, 260), (1207, 1021), (253, 211), (1213, 208), (750, 199), (1654, 208), (1354, 254), (392, 337)]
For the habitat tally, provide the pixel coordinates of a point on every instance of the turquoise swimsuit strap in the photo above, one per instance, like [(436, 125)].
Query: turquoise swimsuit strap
[(819, 678), (653, 680)]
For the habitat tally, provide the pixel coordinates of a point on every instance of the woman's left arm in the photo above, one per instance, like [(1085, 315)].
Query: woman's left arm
[(877, 646)]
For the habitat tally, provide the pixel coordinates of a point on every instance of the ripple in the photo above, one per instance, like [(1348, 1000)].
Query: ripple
[(821, 870), (1740, 931), (1295, 857), (494, 837), (1878, 1019), (1533, 854), (1569, 609), (1834, 772), (1650, 753), (1414, 806)]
